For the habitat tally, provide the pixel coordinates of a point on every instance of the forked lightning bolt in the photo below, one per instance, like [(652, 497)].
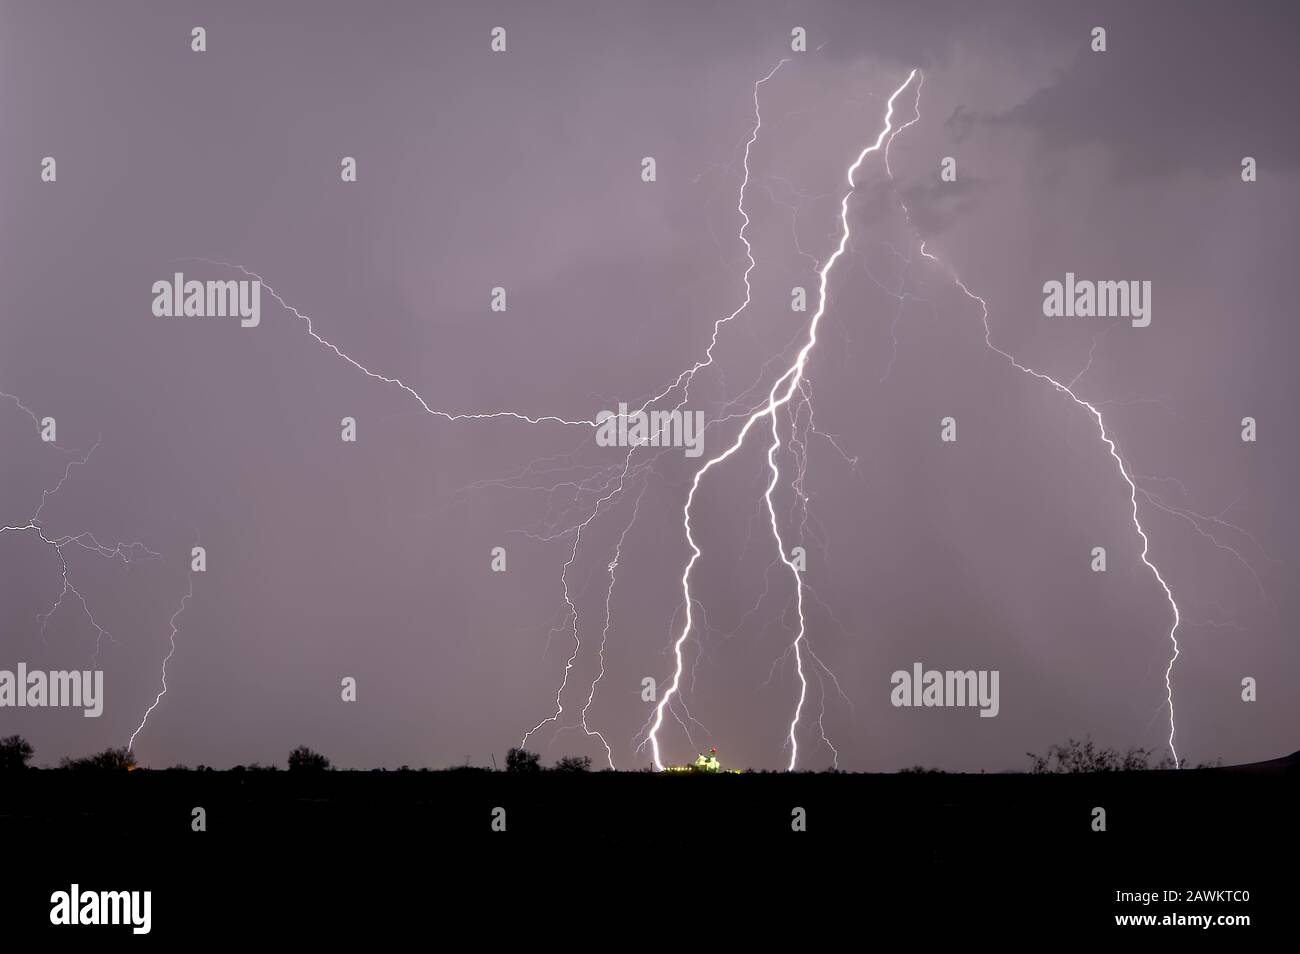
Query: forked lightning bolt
[(790, 381)]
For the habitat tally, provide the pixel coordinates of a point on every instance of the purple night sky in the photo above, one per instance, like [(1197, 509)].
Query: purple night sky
[(522, 169)]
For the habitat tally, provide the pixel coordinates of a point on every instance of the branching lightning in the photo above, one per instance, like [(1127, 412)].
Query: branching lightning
[(126, 552), (790, 381)]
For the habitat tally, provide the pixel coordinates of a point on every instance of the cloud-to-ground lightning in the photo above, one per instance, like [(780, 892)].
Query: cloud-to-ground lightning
[(1105, 437), (790, 381), (189, 593)]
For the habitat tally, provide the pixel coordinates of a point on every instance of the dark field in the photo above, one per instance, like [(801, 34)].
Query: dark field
[(302, 852)]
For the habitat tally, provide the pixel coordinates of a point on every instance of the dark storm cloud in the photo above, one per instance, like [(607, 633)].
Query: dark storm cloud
[(1186, 87)]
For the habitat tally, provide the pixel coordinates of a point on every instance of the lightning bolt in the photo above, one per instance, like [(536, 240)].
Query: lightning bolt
[(790, 381), (1106, 438), (189, 593)]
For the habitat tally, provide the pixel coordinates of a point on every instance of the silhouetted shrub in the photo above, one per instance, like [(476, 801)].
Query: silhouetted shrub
[(15, 753), (303, 759), (1077, 757), (573, 763), (521, 760), (110, 760)]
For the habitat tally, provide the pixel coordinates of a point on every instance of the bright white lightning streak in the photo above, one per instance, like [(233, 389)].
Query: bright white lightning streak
[(790, 379), (1106, 439), (798, 582), (130, 745)]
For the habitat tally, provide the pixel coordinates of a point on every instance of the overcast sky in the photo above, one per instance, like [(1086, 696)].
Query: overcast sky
[(522, 169)]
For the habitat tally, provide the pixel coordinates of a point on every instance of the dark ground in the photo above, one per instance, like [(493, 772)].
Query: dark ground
[(458, 803), (1016, 851)]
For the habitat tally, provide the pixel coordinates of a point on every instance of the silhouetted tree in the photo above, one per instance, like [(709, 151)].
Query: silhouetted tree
[(110, 760), (15, 753), (573, 763), (521, 760), (303, 759)]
